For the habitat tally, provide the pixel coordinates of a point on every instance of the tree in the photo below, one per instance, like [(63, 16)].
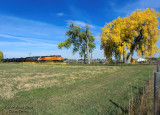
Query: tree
[(136, 33), (1, 56), (81, 40)]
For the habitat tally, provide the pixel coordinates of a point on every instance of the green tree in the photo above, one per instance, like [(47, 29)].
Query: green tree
[(1, 56), (81, 40)]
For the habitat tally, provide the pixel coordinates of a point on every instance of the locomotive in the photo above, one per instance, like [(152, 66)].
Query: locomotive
[(52, 58)]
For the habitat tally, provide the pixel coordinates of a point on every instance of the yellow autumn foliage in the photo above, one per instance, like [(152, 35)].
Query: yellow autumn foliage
[(138, 32)]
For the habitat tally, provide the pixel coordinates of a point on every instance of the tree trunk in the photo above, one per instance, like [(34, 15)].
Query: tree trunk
[(124, 58), (91, 57), (87, 44), (88, 54), (129, 58), (133, 46)]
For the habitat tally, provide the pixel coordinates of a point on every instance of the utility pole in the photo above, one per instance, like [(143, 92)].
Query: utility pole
[(30, 54)]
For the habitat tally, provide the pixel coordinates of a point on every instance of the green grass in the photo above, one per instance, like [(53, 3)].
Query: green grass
[(70, 90)]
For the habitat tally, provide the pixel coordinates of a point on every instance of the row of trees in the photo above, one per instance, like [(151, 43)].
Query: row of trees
[(121, 37)]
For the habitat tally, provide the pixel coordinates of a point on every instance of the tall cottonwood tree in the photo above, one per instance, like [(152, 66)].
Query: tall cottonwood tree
[(81, 39), (138, 32)]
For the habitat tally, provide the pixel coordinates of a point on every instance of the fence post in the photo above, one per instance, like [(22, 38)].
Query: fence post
[(156, 86), (155, 93), (158, 69)]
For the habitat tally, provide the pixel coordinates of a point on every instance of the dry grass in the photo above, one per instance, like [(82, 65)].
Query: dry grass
[(24, 79), (142, 104)]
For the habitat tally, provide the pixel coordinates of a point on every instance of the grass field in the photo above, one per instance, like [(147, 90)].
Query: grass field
[(70, 90)]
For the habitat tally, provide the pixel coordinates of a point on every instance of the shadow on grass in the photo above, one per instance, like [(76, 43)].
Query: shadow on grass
[(124, 111)]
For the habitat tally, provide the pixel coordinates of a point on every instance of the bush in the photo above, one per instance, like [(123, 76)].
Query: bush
[(1, 56)]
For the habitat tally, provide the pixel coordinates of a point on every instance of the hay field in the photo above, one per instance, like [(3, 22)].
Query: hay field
[(56, 89)]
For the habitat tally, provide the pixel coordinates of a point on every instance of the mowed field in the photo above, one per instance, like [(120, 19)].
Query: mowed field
[(69, 90)]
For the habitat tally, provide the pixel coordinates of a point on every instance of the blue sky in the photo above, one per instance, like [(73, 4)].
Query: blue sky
[(37, 26)]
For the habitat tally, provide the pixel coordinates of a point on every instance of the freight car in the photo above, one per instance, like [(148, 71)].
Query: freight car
[(14, 60), (53, 58), (32, 59)]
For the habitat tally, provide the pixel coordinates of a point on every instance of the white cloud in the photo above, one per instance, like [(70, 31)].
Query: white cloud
[(28, 41), (5, 43), (81, 23), (60, 14), (10, 25), (131, 7)]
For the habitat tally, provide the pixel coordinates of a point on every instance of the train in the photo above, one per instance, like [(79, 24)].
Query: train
[(52, 58)]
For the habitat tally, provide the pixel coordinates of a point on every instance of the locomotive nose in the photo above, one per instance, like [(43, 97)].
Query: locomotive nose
[(39, 59)]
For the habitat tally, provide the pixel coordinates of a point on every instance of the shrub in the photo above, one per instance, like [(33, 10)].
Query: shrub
[(1, 56)]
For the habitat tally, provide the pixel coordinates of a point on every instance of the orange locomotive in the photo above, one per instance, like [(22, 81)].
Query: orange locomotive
[(53, 58)]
